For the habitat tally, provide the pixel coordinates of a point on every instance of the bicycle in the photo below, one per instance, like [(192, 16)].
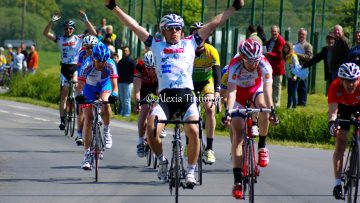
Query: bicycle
[(177, 171), (5, 77), (70, 110), (150, 156), (97, 146), (250, 170), (351, 171)]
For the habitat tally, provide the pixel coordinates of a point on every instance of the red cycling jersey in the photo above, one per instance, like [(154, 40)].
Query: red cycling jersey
[(338, 95), (143, 73)]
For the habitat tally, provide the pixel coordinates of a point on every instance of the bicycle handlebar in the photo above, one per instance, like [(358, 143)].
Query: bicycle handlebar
[(252, 110)]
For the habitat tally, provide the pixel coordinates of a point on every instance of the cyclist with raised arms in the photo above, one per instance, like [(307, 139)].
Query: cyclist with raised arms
[(343, 100), (98, 78), (250, 79), (174, 59), (89, 42), (207, 77), (145, 84), (70, 45)]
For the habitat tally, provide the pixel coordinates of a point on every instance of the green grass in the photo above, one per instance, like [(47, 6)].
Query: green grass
[(49, 60)]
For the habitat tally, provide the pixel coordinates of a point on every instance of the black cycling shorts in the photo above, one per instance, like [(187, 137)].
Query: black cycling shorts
[(147, 90), (68, 70), (345, 112), (173, 100)]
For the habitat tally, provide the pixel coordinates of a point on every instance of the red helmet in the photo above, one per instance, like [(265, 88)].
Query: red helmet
[(251, 49)]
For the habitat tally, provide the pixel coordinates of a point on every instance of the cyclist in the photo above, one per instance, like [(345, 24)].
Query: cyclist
[(174, 60), (98, 77), (145, 83), (89, 42), (207, 77), (343, 100), (250, 79), (2, 57), (70, 45)]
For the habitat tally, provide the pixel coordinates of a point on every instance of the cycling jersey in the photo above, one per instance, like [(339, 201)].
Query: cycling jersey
[(249, 84), (337, 94), (82, 56), (224, 77), (142, 72), (174, 63), (2, 60), (70, 47), (93, 77), (203, 64)]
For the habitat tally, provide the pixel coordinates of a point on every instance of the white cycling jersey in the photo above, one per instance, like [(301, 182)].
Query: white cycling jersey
[(70, 47), (243, 78), (174, 63)]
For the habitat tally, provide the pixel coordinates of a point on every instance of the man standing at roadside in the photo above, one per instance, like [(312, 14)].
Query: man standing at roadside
[(125, 68), (304, 51), (32, 60), (274, 47)]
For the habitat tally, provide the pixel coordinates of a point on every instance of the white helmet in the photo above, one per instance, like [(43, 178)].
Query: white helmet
[(9, 46), (349, 71), (90, 40), (1, 48), (171, 20), (149, 59), (251, 49)]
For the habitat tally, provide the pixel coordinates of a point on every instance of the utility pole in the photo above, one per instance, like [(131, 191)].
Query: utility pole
[(253, 12), (356, 16), (23, 20), (281, 16)]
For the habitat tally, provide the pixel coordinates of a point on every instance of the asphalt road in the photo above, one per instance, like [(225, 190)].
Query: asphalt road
[(39, 164)]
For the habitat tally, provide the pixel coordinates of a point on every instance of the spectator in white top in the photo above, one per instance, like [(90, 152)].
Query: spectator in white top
[(19, 62)]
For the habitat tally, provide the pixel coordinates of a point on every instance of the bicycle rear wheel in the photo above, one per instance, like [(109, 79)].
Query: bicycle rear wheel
[(353, 174), (251, 171), (154, 161), (149, 155), (72, 117), (67, 117)]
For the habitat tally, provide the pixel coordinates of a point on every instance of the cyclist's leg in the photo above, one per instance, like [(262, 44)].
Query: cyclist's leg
[(63, 96), (192, 132), (142, 121), (210, 124)]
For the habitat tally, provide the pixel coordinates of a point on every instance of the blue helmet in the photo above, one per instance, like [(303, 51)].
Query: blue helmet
[(100, 52)]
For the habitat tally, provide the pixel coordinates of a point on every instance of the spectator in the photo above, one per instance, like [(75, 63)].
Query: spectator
[(10, 54), (33, 59), (261, 33), (109, 43), (2, 57), (325, 56), (103, 25), (125, 69), (116, 57), (19, 62), (291, 62), (354, 53), (252, 34), (339, 51), (109, 34), (274, 47), (99, 34), (23, 50), (304, 51)]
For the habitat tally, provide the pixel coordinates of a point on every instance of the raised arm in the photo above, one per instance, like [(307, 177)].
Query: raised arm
[(46, 31), (205, 31), (127, 20), (88, 24)]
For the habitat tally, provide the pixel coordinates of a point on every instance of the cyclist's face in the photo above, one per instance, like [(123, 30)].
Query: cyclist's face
[(150, 71), (88, 50), (172, 34), (251, 65), (99, 65), (68, 31), (350, 85)]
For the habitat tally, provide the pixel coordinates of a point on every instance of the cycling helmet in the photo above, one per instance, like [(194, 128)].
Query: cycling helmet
[(251, 49), (1, 48), (196, 26), (69, 23), (149, 59), (349, 71), (171, 20), (100, 52), (90, 40)]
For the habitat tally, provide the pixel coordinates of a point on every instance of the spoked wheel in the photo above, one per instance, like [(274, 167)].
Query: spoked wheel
[(96, 157), (199, 162), (154, 161), (98, 148), (352, 184), (148, 155), (67, 117), (251, 171), (177, 171), (72, 117)]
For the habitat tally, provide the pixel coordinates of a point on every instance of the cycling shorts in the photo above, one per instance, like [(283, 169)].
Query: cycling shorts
[(247, 94), (205, 87), (173, 100), (145, 91), (345, 112), (93, 92), (67, 72)]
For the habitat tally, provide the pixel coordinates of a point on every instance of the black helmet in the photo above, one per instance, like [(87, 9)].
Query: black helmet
[(69, 23)]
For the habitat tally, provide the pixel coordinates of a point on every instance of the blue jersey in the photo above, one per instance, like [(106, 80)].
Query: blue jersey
[(94, 77), (82, 57)]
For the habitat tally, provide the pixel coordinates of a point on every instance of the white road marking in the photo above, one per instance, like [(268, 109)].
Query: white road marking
[(2, 111), (41, 119), (22, 115)]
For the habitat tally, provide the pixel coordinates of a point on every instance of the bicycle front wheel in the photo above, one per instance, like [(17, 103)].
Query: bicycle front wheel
[(352, 184), (98, 150), (67, 117), (177, 170), (148, 154), (251, 171), (72, 117)]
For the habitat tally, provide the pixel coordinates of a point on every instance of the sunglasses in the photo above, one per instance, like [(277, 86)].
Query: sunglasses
[(68, 28), (177, 28), (249, 61)]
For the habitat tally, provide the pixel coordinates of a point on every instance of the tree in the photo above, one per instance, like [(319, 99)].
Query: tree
[(192, 10)]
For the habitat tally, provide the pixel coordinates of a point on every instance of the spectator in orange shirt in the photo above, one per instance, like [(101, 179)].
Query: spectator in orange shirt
[(32, 60)]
